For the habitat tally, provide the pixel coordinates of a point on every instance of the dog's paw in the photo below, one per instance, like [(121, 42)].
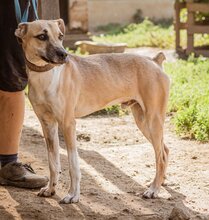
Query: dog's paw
[(150, 194), (70, 198), (46, 192)]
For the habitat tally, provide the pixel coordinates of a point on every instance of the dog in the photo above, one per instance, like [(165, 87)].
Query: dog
[(63, 87)]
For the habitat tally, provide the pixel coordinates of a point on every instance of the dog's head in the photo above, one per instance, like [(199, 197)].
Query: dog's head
[(42, 41)]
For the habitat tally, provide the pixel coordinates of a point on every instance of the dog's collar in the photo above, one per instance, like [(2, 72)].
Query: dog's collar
[(36, 68)]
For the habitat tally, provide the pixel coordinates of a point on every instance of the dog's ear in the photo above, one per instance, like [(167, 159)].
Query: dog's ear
[(61, 25), (159, 58), (21, 31)]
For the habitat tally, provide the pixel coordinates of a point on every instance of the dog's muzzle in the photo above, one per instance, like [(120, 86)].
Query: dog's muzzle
[(55, 55)]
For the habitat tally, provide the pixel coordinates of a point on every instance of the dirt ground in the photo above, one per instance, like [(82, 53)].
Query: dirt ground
[(117, 165)]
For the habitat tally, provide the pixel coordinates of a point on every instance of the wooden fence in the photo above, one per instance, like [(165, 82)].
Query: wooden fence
[(191, 26)]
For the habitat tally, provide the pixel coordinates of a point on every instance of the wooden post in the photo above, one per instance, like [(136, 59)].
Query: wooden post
[(48, 9), (177, 23), (190, 26)]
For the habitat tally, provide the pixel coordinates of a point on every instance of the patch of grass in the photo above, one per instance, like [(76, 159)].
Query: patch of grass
[(189, 97)]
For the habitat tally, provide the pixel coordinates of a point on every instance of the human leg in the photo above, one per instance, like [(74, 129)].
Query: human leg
[(11, 120), (13, 80), (12, 106)]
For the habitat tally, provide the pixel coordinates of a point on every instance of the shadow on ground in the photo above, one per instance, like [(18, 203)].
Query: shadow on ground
[(97, 202)]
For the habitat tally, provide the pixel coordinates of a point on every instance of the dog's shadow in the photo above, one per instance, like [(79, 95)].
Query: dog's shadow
[(96, 202), (5, 214)]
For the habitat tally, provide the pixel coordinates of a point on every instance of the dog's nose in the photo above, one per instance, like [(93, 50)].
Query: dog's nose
[(61, 54)]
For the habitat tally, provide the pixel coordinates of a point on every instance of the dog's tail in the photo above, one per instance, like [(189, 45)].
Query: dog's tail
[(159, 58)]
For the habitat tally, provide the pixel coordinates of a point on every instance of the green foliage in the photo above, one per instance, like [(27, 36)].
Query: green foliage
[(112, 110), (112, 28), (76, 52), (189, 97), (142, 34), (199, 16), (148, 33)]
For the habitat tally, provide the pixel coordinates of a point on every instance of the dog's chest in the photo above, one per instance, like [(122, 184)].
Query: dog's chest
[(43, 88)]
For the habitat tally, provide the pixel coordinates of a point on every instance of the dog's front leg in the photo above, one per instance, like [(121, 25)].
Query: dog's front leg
[(70, 139), (50, 130)]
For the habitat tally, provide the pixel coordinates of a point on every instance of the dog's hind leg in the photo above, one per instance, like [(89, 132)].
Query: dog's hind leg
[(151, 126), (155, 124), (140, 120), (70, 140), (50, 130)]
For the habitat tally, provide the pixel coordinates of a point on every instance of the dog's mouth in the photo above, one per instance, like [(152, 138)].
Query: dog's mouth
[(57, 62), (47, 60)]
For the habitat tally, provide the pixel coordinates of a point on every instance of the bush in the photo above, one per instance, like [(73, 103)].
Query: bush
[(189, 97)]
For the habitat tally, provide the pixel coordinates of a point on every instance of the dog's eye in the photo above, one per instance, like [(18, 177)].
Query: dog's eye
[(42, 37), (61, 36)]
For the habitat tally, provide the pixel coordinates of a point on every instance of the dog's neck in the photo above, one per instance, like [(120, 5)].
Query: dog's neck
[(36, 68)]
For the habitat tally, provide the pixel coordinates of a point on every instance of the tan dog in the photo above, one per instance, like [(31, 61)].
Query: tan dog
[(63, 87)]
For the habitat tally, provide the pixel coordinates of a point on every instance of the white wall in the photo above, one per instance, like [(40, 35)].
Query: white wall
[(103, 12)]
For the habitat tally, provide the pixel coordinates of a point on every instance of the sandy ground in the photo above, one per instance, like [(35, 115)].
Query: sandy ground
[(117, 165)]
